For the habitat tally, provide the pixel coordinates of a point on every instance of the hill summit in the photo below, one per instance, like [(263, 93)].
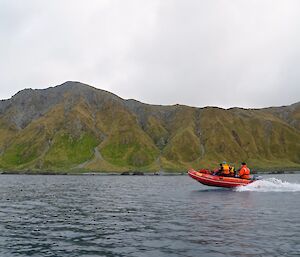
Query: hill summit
[(74, 127)]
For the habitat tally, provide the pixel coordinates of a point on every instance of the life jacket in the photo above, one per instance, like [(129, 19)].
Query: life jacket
[(225, 169), (244, 172), (231, 170)]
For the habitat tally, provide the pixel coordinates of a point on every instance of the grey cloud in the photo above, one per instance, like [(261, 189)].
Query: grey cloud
[(224, 53)]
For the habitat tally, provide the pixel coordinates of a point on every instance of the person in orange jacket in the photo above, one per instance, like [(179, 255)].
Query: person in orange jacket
[(244, 171)]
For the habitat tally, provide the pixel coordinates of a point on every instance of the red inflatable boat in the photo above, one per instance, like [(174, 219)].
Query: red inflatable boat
[(205, 177)]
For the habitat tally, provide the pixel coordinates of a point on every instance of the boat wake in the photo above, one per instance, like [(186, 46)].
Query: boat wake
[(270, 185)]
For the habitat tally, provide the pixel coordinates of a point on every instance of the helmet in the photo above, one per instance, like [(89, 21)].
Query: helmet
[(243, 163), (224, 162)]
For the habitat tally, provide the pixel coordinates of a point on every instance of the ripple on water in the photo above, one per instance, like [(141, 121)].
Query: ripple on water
[(142, 216)]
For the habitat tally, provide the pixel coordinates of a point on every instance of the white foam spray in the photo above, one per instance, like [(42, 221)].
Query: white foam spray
[(270, 185)]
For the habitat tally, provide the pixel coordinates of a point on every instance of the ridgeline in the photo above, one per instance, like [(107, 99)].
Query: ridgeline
[(74, 127)]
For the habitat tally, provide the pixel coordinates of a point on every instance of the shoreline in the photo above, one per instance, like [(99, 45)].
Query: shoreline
[(130, 173)]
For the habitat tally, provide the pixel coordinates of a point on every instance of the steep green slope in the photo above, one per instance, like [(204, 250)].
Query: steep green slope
[(126, 143), (76, 128), (253, 136)]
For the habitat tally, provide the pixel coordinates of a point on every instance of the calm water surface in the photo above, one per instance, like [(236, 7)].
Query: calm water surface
[(146, 216)]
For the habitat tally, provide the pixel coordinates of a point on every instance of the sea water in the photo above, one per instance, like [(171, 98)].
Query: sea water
[(147, 216)]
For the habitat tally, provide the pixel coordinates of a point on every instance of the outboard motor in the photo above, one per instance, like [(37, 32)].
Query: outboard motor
[(256, 177)]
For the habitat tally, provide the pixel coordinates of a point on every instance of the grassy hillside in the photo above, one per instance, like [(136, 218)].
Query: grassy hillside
[(77, 128)]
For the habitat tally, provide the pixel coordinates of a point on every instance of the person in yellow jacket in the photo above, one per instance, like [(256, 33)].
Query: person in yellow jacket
[(244, 171), (224, 170), (231, 171)]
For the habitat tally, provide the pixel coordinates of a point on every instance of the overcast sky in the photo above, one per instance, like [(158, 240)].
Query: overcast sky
[(214, 52)]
